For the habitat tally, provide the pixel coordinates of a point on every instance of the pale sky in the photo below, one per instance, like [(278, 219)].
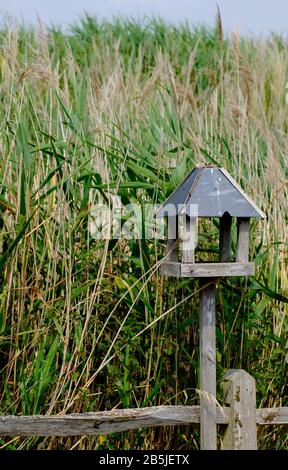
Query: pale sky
[(257, 17)]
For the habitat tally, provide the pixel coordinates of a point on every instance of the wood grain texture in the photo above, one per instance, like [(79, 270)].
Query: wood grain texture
[(172, 242), (242, 254), (103, 422), (275, 416), (240, 394), (208, 422), (170, 268), (205, 270), (189, 239)]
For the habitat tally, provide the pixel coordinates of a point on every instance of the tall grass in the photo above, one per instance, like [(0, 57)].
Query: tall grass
[(128, 108)]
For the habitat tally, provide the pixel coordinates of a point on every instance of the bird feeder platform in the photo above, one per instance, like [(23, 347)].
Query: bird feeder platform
[(177, 269), (207, 192)]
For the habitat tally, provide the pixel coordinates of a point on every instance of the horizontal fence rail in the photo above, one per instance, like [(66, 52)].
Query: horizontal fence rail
[(106, 422), (272, 415)]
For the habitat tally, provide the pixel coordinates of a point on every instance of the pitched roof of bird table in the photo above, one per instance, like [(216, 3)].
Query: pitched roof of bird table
[(213, 191)]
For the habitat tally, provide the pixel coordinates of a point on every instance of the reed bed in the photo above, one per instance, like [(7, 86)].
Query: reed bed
[(127, 108)]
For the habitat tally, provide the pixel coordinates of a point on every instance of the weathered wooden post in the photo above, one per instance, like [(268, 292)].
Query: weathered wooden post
[(240, 394), (207, 321), (208, 192)]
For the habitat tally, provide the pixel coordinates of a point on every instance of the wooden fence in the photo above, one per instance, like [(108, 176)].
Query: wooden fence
[(240, 417)]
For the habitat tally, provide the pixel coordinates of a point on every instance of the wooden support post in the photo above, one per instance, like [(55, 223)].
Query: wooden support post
[(189, 239), (208, 426), (225, 238), (172, 242), (243, 240), (240, 394)]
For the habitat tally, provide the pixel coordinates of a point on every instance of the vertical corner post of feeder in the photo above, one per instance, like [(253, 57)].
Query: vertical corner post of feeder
[(189, 238), (225, 238), (172, 240), (242, 254)]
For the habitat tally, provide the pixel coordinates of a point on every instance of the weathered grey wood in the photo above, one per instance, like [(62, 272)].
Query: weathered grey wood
[(103, 422), (200, 270), (275, 416), (171, 250), (242, 254), (225, 238), (189, 239), (208, 422), (217, 269), (170, 269), (172, 241), (240, 394)]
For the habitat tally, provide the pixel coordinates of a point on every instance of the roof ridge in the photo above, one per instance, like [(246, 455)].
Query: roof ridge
[(177, 187), (194, 184)]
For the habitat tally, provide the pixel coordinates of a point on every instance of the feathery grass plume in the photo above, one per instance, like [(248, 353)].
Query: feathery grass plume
[(219, 25)]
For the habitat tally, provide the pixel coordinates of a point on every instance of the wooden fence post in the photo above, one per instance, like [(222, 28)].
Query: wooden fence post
[(240, 394)]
